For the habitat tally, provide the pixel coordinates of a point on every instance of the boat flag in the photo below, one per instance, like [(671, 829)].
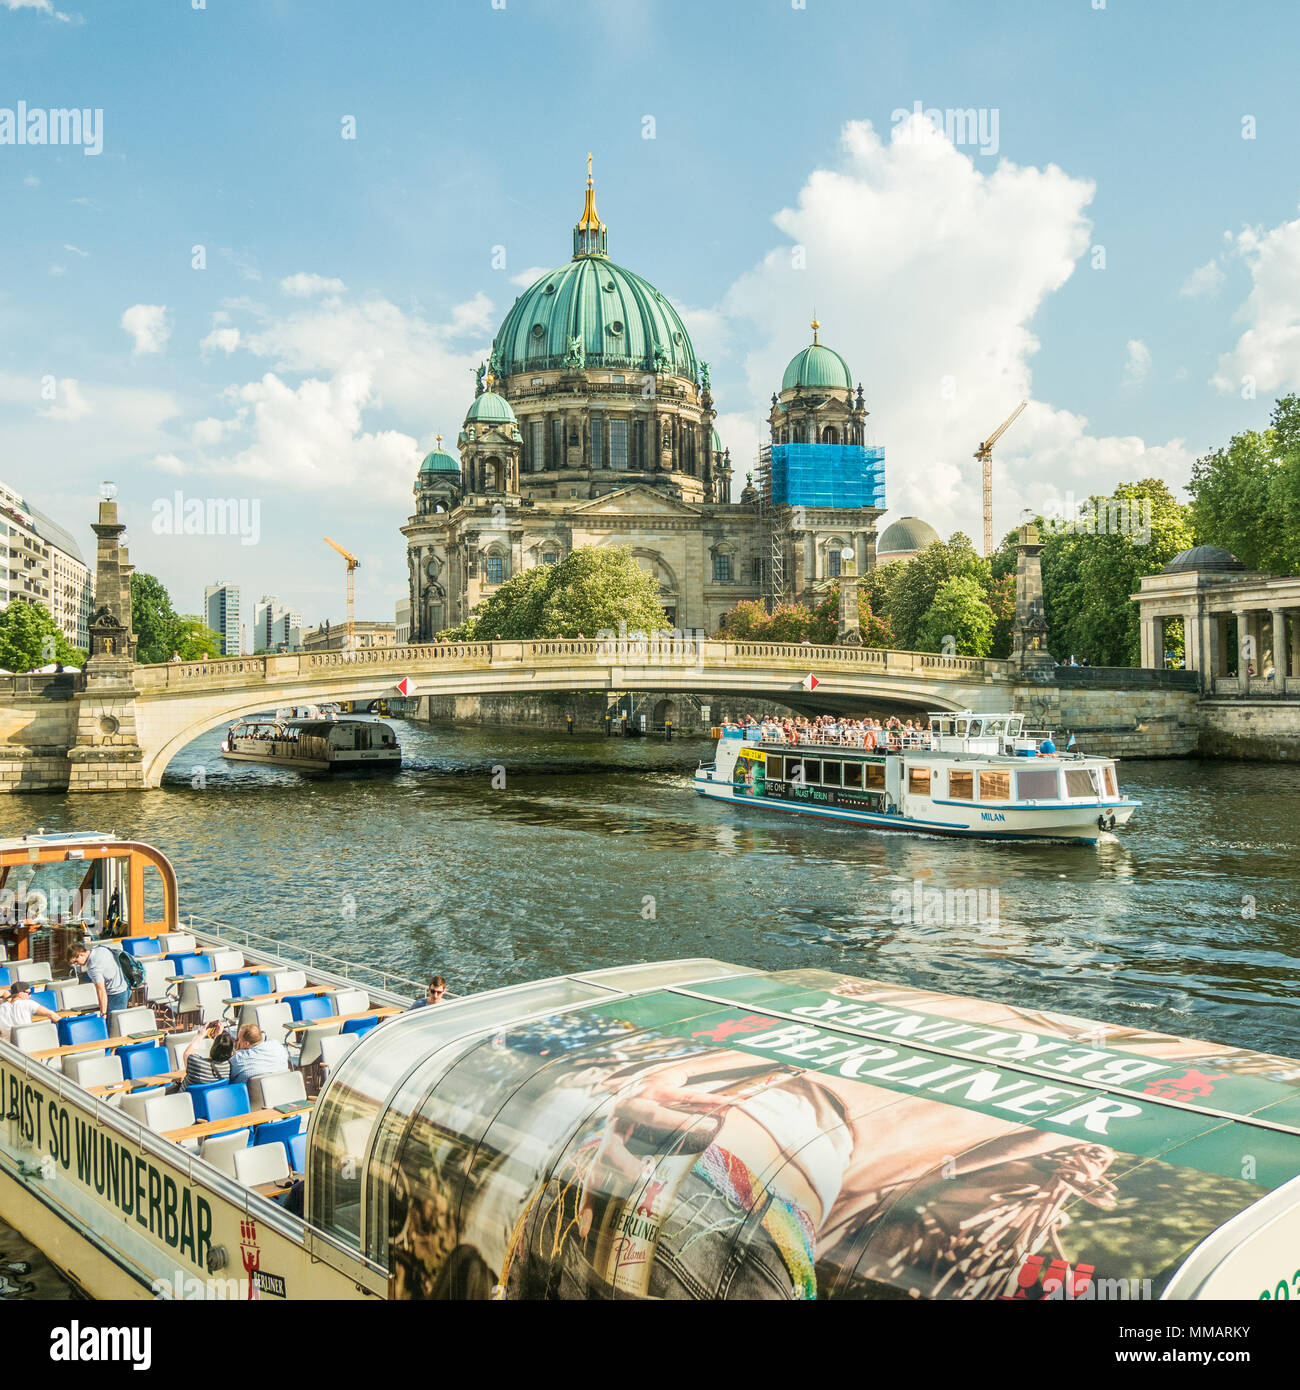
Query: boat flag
[(1072, 743), (810, 682), (405, 686)]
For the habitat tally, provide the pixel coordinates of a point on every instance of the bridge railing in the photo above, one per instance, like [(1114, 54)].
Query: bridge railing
[(622, 652)]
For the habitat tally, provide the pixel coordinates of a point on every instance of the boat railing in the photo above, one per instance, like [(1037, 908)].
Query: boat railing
[(296, 952)]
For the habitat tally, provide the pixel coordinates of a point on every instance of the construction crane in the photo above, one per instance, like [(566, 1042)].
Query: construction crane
[(353, 562), (985, 455)]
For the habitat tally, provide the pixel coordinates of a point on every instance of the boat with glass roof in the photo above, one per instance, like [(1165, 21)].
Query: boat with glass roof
[(966, 774), (681, 1129), (315, 744)]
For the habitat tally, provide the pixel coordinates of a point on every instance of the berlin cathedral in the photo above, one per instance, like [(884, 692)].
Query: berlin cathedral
[(592, 423)]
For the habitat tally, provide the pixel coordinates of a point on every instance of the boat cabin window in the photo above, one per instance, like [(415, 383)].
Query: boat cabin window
[(775, 767), (830, 773), (1037, 784), (1081, 781), (918, 781), (962, 725), (976, 728), (961, 785), (812, 771), (875, 777), (995, 786), (1111, 788), (853, 776)]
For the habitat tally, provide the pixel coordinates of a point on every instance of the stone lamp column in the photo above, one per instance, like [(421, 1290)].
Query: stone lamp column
[(849, 633)]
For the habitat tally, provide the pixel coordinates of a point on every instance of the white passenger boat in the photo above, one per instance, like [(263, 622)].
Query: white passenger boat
[(686, 1129), (968, 774), (314, 745)]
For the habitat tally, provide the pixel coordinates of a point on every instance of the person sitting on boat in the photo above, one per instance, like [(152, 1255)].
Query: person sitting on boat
[(199, 1070), (433, 994), (256, 1055), (18, 1007)]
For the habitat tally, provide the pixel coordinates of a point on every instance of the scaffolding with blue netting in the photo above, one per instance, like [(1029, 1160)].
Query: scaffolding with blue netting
[(827, 475)]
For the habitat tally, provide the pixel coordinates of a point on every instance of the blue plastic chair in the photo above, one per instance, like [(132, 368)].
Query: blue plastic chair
[(87, 1028), (245, 985), (221, 1102), (6, 977), (298, 1153), (360, 1025), (143, 1061), (197, 1094), (46, 997), (305, 1007), (230, 976), (191, 964), (142, 946), (278, 1132)]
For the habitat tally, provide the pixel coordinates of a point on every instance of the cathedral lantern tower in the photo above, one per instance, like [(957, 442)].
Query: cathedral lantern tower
[(490, 444)]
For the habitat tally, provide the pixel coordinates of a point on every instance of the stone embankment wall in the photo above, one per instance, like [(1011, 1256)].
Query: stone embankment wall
[(37, 726), (1132, 723), (1267, 730)]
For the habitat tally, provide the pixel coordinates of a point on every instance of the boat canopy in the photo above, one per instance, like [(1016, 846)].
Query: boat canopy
[(695, 1129)]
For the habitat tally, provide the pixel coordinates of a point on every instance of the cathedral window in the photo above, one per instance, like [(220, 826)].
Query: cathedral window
[(536, 448), (597, 459), (722, 569), (618, 444), (758, 571), (557, 443), (833, 563), (496, 569), (550, 557)]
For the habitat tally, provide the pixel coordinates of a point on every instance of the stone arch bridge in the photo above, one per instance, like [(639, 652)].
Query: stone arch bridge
[(89, 734)]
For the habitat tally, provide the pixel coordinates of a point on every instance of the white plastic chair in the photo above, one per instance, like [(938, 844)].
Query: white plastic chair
[(93, 1070), (176, 1043), (177, 943), (335, 1048), (270, 1018), (169, 1112), (80, 995), (279, 1088), (30, 970), (264, 1163), (37, 1037), (351, 1001), (220, 1150), (206, 998), (285, 981), (156, 975), (127, 1021), (312, 1039), (223, 961)]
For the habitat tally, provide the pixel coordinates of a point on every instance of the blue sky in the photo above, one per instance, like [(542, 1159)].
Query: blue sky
[(953, 281)]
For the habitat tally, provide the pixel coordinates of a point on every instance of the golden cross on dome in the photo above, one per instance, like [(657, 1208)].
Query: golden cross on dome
[(491, 381), (589, 182), (814, 325), (437, 439)]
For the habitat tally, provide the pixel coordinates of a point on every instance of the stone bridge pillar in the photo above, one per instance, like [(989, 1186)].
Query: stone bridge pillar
[(106, 755)]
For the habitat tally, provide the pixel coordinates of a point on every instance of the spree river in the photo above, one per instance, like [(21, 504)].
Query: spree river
[(499, 856)]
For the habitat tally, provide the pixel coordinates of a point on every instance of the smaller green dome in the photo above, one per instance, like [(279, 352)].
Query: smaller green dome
[(817, 366), (440, 461), (717, 441), (491, 409)]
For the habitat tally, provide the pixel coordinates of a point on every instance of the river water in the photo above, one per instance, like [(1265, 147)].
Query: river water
[(501, 856)]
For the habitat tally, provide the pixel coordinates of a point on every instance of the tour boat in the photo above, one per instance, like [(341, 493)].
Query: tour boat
[(680, 1129), (314, 745), (975, 775)]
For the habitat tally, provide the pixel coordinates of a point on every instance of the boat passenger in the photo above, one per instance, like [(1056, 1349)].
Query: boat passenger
[(433, 994), (199, 1070), (18, 1007), (256, 1055), (103, 970)]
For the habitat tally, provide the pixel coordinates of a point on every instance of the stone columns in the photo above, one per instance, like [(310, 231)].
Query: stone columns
[(1245, 649), (1281, 649)]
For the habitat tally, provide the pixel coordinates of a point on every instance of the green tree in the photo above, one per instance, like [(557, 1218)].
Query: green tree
[(592, 589), (30, 638), (913, 591), (192, 637), (153, 620), (1088, 577), (1246, 497), (960, 614)]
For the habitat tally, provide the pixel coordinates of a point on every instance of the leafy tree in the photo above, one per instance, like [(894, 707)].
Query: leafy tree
[(30, 638), (960, 610), (1088, 578), (913, 591), (192, 637), (1247, 497), (592, 588), (153, 619), (792, 622)]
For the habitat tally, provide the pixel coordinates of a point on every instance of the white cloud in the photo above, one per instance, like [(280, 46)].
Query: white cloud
[(303, 286), (927, 271), (1137, 363), (168, 463), (76, 250), (42, 6), (220, 340), (1268, 352), (58, 270), (32, 181), (69, 403), (528, 277), (148, 327), (1204, 280)]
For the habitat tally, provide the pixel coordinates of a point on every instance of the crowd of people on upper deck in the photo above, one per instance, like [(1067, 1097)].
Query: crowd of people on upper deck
[(828, 729)]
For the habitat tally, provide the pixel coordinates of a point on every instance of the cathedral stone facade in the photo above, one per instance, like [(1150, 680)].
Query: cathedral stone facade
[(593, 424)]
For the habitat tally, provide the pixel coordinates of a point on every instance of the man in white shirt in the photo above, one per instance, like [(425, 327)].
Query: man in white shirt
[(19, 1007), (256, 1055)]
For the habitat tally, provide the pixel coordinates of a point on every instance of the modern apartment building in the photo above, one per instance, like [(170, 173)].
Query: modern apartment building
[(40, 561), (276, 627), (221, 613)]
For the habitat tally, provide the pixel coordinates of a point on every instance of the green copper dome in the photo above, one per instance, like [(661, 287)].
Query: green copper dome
[(906, 534), (618, 319), (817, 367), (440, 461), (717, 441), (491, 409)]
